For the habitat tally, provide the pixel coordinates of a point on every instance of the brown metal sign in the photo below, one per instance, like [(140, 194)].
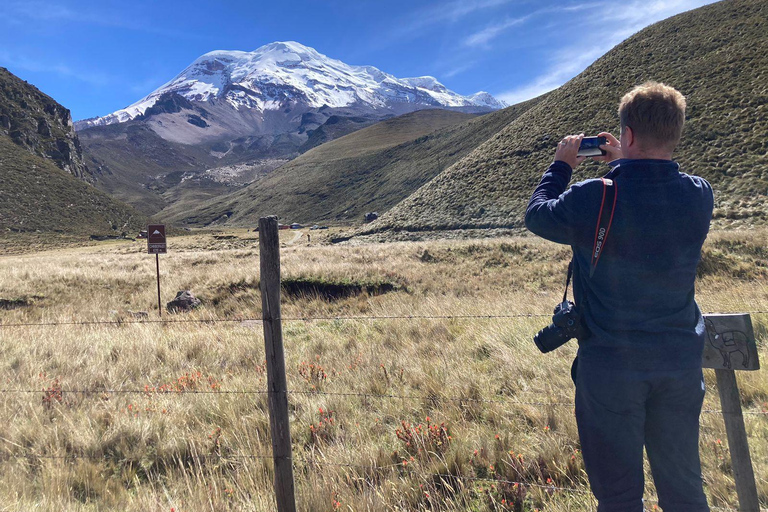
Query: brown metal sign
[(730, 343), (156, 239)]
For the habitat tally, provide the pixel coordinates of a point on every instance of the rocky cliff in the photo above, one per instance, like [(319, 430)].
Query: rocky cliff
[(40, 125)]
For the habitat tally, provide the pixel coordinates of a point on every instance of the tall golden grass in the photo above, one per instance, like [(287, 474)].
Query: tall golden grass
[(174, 417)]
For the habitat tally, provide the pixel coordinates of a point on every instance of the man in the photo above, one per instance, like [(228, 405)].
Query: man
[(638, 370)]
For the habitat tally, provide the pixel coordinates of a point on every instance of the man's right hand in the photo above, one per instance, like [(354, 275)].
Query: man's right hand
[(612, 149)]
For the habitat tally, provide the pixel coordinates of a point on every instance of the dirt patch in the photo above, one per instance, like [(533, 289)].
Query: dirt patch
[(333, 290), (19, 302), (301, 287)]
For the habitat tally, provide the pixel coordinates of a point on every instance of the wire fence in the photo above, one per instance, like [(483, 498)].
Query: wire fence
[(151, 391), (340, 318), (312, 461)]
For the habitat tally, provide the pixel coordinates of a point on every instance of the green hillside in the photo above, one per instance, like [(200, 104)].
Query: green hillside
[(715, 55), (369, 170), (35, 195), (133, 163)]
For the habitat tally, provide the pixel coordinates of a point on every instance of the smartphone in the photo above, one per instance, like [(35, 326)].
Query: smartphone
[(590, 146)]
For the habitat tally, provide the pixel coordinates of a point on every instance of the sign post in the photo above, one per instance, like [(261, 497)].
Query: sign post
[(156, 245), (731, 346)]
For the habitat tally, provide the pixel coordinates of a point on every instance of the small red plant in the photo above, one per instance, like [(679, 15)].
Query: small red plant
[(215, 438), (335, 503), (53, 394), (424, 439), (325, 429), (313, 373), (194, 381)]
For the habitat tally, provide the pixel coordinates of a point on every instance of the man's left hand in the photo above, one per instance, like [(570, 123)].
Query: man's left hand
[(567, 150)]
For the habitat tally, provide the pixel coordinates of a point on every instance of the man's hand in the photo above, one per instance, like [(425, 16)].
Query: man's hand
[(612, 149), (567, 149)]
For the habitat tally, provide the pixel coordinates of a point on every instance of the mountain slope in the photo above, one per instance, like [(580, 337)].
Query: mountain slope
[(369, 170), (247, 112), (289, 74), (34, 121), (41, 189), (715, 55), (35, 195)]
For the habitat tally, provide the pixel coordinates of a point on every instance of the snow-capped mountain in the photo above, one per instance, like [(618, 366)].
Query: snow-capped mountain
[(286, 75)]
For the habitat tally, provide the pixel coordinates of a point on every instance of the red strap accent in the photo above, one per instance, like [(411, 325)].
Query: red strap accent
[(599, 219), (597, 250)]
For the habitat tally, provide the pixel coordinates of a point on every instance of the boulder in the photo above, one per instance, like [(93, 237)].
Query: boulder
[(184, 301)]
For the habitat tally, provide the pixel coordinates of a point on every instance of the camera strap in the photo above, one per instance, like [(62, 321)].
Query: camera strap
[(568, 280), (604, 221)]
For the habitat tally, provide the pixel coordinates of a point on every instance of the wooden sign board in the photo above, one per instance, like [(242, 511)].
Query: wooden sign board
[(156, 239), (730, 343)]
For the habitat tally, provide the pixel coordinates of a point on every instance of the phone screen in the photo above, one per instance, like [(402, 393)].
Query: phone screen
[(590, 146)]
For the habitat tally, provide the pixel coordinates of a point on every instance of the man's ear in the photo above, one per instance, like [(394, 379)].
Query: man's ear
[(630, 136)]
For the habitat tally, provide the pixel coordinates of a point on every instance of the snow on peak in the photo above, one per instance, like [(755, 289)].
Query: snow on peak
[(485, 99), (287, 71), (426, 82)]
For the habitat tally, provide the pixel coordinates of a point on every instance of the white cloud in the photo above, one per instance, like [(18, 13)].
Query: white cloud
[(58, 68), (49, 11), (594, 37), (454, 11), (483, 37)]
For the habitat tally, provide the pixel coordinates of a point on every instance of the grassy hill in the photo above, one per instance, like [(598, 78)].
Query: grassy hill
[(136, 165), (35, 195), (714, 55), (369, 170)]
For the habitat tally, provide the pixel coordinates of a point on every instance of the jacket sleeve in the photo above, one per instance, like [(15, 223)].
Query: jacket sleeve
[(552, 212)]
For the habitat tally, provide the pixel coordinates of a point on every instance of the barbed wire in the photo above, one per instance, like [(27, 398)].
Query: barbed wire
[(430, 398), (149, 391), (78, 456), (423, 398), (304, 319), (252, 319)]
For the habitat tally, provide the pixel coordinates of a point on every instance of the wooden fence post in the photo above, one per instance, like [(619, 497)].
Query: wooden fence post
[(269, 254), (743, 474), (731, 346)]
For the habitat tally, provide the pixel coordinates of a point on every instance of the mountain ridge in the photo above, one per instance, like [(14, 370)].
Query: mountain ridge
[(369, 170), (246, 113), (712, 54), (260, 80)]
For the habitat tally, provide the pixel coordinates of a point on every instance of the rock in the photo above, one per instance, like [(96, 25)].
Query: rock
[(43, 128), (184, 301)]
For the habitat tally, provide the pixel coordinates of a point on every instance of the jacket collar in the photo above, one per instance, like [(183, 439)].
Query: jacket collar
[(644, 169)]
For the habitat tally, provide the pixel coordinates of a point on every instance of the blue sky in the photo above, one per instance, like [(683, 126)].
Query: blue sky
[(97, 56)]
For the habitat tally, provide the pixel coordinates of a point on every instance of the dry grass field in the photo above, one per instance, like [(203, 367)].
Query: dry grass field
[(387, 414)]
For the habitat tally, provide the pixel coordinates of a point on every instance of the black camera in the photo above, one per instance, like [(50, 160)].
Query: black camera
[(566, 324)]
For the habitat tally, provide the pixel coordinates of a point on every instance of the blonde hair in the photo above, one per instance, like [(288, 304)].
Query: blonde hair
[(655, 112)]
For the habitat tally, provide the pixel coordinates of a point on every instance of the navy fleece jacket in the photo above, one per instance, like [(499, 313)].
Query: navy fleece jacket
[(639, 305)]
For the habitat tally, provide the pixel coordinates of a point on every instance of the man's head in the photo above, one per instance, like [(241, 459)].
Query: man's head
[(652, 117)]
